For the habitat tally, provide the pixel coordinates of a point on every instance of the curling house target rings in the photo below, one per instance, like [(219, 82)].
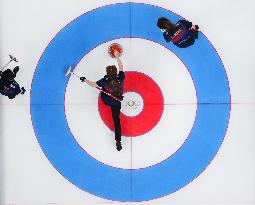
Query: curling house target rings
[(50, 126)]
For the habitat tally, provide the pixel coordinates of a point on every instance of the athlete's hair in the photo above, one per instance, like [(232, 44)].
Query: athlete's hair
[(111, 71), (112, 81), (164, 23)]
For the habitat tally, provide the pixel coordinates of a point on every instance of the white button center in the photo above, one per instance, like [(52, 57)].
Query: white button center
[(132, 104)]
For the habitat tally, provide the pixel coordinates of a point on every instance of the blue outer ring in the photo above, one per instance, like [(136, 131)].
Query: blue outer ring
[(47, 105)]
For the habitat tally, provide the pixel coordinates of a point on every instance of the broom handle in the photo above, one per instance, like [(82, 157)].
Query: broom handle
[(6, 64), (101, 90), (108, 94)]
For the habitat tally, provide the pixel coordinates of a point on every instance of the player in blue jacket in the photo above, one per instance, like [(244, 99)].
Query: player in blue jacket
[(182, 34), (112, 83)]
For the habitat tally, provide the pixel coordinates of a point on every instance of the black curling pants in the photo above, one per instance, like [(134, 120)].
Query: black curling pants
[(116, 120)]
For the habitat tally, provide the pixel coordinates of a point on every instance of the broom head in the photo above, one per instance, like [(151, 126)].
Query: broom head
[(68, 71)]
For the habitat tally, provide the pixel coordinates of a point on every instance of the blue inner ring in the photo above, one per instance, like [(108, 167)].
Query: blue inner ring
[(48, 117)]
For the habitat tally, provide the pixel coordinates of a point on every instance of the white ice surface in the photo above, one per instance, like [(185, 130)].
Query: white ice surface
[(27, 177)]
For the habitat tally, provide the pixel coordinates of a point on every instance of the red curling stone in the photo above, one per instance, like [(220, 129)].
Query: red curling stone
[(113, 47)]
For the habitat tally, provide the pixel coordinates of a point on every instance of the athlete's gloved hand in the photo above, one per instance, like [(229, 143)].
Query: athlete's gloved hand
[(82, 79)]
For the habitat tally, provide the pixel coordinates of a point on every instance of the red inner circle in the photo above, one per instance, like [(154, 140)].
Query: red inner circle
[(152, 106)]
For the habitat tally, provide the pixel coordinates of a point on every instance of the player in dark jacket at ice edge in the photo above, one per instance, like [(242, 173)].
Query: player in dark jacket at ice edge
[(112, 83), (182, 34), (8, 86)]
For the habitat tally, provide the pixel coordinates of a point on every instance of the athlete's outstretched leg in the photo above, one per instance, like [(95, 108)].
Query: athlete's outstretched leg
[(116, 120)]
